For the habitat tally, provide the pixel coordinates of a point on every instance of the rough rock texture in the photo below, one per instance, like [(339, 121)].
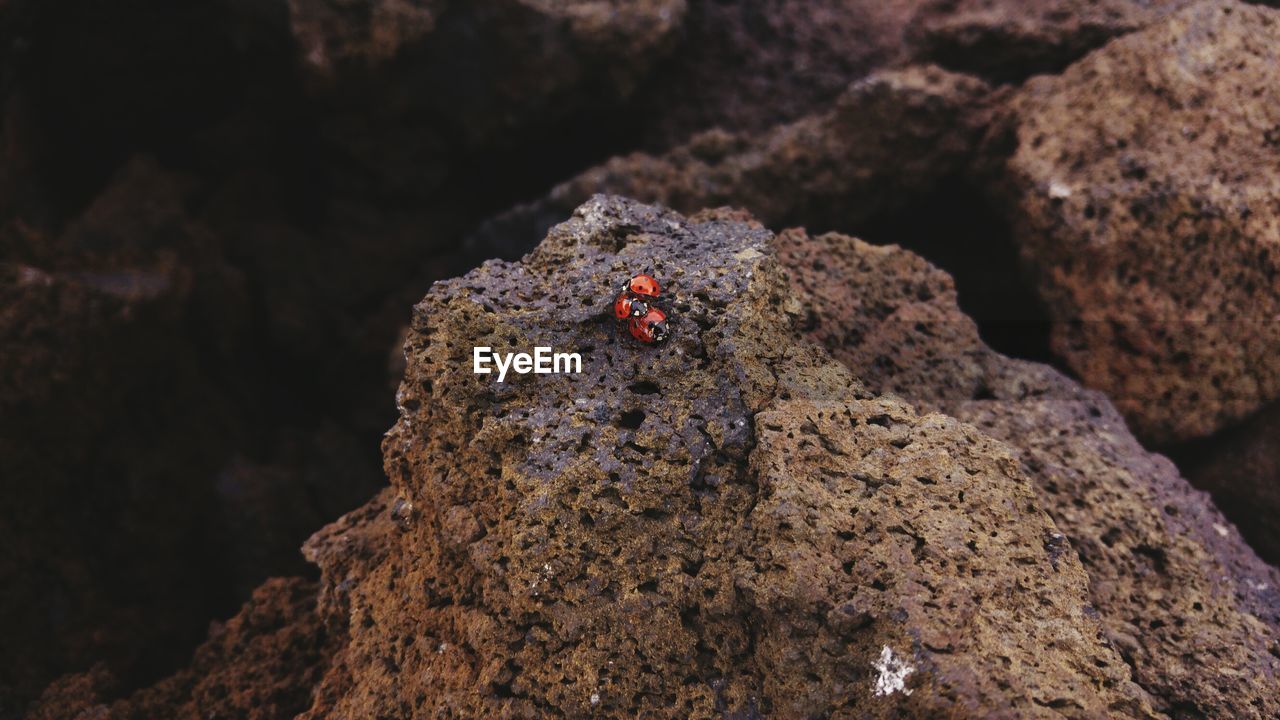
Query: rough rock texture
[(1241, 467), (260, 665), (1011, 40), (1169, 577), (1143, 198), (724, 525), (889, 137)]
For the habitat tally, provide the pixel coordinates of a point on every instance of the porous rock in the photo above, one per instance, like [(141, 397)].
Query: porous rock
[(1169, 577), (724, 524), (1142, 195)]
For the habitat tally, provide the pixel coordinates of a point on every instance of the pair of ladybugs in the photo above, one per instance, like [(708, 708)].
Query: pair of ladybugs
[(634, 304)]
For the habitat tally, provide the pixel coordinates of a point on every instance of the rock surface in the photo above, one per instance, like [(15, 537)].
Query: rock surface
[(1142, 194), (1169, 577), (727, 524)]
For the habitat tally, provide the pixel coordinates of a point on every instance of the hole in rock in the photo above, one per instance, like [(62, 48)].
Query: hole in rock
[(955, 228)]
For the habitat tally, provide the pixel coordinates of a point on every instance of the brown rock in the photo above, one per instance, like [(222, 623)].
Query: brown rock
[(724, 524), (1169, 577), (1142, 195), (97, 371), (140, 500)]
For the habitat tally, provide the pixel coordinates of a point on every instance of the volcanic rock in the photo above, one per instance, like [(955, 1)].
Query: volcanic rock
[(1142, 196), (146, 494), (725, 524), (1169, 577)]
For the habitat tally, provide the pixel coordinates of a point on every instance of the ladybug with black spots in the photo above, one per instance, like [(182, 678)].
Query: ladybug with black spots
[(629, 306), (652, 328), (635, 304), (644, 286)]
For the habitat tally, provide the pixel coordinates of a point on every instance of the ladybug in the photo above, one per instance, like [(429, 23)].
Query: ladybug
[(629, 306), (644, 286), (651, 328)]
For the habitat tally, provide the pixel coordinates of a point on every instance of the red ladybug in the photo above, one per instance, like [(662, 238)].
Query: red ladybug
[(628, 306), (652, 328), (644, 286)]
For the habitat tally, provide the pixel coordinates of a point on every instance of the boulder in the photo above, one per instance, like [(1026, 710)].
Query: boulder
[(889, 138), (1142, 198), (1169, 577), (728, 523)]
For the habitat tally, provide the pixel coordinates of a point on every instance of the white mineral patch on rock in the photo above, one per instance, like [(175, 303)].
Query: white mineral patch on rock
[(893, 673)]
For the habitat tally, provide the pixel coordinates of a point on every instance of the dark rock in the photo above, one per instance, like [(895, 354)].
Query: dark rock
[(1241, 467), (890, 137), (410, 90), (1011, 40), (259, 665), (149, 488), (1142, 196), (1169, 577), (748, 66)]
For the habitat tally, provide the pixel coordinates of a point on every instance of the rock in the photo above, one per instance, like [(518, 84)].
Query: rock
[(413, 91), (1241, 467), (748, 66), (149, 488), (1141, 194), (890, 137), (260, 665), (98, 371), (726, 524), (1009, 41), (1169, 577)]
